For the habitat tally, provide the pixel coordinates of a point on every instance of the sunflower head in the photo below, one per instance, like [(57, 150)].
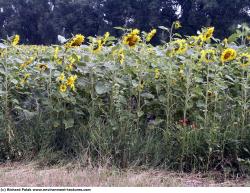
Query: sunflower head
[(97, 46), (63, 88), (42, 67), (179, 46), (15, 40), (177, 25), (244, 59), (208, 33), (132, 38), (228, 54), (208, 56), (150, 35), (121, 56), (105, 37), (77, 40)]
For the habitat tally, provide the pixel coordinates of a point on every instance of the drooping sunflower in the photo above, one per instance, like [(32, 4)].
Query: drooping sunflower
[(244, 59), (228, 54), (15, 40), (208, 56), (132, 38), (150, 35), (97, 46), (208, 33), (77, 40)]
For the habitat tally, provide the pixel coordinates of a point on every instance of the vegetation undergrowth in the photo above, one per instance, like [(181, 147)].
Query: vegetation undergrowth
[(182, 105)]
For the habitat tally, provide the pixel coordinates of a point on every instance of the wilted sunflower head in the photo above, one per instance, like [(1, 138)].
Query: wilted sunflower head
[(228, 54)]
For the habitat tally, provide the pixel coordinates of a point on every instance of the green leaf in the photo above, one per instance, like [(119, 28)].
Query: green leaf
[(147, 95), (68, 123), (102, 88)]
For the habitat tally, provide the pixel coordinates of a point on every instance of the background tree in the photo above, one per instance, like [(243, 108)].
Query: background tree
[(40, 21)]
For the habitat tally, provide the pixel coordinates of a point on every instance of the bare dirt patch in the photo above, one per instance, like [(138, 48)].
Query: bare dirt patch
[(29, 175)]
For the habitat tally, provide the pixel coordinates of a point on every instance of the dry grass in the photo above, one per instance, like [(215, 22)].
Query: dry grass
[(20, 175)]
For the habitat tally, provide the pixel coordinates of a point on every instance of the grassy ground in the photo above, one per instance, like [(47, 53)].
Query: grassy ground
[(20, 174)]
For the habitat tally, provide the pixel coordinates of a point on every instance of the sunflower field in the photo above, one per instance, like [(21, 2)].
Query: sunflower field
[(181, 105)]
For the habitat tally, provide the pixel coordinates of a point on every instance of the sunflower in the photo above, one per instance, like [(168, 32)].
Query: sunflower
[(177, 25), (63, 88), (208, 56), (132, 38), (26, 63), (157, 73), (179, 46), (25, 78), (97, 46), (228, 54), (208, 33), (42, 67), (15, 40), (71, 82), (61, 77), (105, 38), (56, 53), (244, 59), (77, 40), (248, 37), (121, 56), (150, 35)]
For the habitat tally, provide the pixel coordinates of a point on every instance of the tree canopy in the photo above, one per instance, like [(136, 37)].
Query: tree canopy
[(40, 21)]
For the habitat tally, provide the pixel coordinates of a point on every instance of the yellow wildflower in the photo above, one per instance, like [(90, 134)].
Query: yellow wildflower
[(228, 54), (150, 35)]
